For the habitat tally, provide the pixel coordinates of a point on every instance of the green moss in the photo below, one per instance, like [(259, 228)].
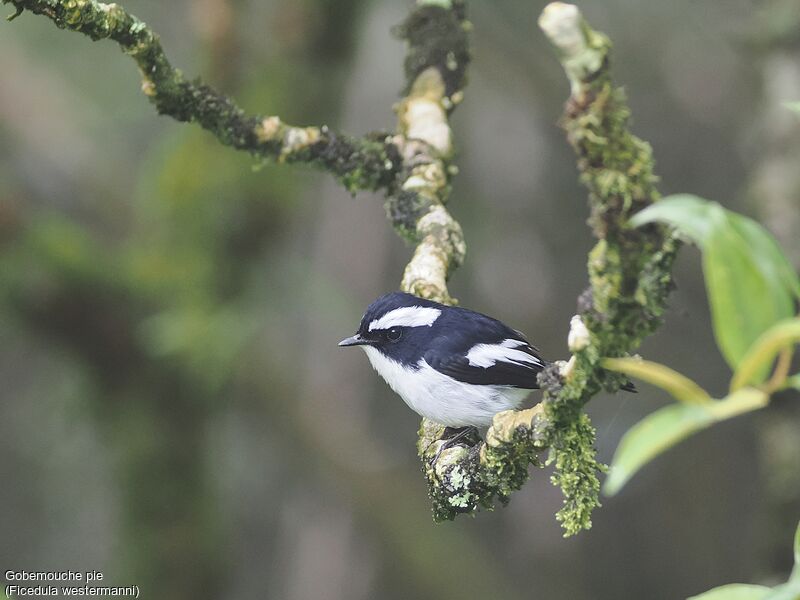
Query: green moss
[(370, 163), (404, 210), (604, 274), (615, 165), (506, 466), (576, 469), (437, 37), (629, 274), (475, 475)]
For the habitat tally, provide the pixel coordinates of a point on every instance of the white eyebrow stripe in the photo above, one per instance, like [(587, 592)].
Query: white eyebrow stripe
[(407, 316), (487, 355)]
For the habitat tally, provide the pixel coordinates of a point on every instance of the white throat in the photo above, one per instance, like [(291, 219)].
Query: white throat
[(395, 374)]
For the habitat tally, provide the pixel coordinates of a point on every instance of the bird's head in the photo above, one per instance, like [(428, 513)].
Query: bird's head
[(397, 325)]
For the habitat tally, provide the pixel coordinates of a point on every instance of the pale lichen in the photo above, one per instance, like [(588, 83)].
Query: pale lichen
[(422, 116), (418, 211), (581, 49), (578, 338), (268, 129)]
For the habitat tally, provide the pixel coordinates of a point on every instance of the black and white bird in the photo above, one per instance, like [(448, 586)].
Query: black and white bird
[(451, 365)]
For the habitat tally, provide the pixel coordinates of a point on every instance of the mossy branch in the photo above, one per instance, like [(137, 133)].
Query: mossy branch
[(368, 163), (629, 275), (411, 166)]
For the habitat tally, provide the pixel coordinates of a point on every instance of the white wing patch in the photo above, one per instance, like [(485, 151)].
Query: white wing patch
[(408, 316), (487, 355)]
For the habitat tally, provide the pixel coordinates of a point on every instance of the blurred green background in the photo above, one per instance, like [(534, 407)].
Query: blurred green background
[(173, 408)]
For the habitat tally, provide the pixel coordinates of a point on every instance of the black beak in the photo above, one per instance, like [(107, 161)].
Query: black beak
[(355, 340)]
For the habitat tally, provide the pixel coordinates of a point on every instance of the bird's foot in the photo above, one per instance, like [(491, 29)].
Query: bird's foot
[(456, 434)]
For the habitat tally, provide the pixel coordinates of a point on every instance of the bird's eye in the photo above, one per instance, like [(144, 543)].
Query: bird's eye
[(394, 334)]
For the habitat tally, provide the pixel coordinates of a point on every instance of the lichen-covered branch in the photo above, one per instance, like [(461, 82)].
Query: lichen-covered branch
[(436, 64), (368, 163), (418, 210), (629, 275)]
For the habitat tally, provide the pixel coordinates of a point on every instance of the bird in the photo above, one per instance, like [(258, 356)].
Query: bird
[(454, 366)]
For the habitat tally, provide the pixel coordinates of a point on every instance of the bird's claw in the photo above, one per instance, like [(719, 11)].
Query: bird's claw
[(461, 434)]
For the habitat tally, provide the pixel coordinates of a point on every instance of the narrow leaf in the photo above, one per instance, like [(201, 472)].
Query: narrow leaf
[(650, 437), (762, 353), (735, 591), (679, 386), (667, 426)]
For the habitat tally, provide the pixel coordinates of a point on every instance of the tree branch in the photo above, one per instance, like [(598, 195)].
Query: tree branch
[(629, 274), (412, 167), (369, 163), (436, 63)]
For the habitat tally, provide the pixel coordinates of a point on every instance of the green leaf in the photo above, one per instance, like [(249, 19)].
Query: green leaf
[(679, 386), (667, 426), (750, 283), (694, 217), (793, 106), (762, 353), (735, 591), (745, 299), (766, 250)]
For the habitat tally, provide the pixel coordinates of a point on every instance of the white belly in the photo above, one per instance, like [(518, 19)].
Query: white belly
[(443, 399)]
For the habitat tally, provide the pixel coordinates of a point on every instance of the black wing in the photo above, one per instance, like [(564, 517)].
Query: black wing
[(512, 373)]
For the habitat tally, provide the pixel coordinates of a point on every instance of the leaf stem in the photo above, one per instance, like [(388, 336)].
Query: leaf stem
[(781, 372)]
